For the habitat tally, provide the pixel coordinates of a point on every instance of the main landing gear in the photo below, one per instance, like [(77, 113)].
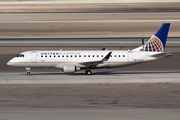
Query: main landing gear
[(28, 71), (88, 72)]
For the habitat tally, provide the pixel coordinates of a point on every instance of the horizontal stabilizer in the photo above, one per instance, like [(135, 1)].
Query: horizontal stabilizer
[(164, 54)]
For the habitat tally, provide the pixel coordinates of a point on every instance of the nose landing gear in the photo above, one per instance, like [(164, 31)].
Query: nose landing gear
[(28, 71)]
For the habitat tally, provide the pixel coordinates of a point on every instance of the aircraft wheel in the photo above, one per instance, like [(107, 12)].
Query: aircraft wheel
[(28, 73), (88, 72)]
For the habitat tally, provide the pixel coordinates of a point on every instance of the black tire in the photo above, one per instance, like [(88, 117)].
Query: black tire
[(88, 72), (28, 73)]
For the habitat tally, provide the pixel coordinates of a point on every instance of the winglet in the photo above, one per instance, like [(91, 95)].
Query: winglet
[(104, 48), (106, 58)]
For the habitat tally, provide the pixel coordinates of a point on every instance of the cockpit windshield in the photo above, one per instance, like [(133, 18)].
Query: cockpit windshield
[(20, 55)]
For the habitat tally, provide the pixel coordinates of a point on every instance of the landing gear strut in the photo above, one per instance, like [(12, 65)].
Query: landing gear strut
[(28, 71), (88, 72)]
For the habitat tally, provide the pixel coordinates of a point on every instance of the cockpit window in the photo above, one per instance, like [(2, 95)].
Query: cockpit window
[(20, 55)]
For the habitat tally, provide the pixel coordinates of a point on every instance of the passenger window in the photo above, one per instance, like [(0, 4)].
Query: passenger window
[(93, 56), (62, 55), (75, 55), (123, 55), (84, 55), (79, 55), (88, 55), (41, 56), (119, 55), (46, 56), (50, 56), (66, 55), (58, 55), (54, 56), (111, 55), (114, 55), (101, 55), (97, 55), (71, 56)]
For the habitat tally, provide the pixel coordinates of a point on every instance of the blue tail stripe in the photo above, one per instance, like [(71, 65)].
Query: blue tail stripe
[(162, 33)]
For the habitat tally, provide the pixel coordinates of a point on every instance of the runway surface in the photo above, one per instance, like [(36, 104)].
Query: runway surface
[(89, 114), (161, 95), (81, 1), (87, 25), (89, 6), (90, 21), (98, 77), (82, 43), (152, 101)]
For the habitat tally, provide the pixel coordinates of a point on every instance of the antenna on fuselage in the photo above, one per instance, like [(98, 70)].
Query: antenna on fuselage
[(142, 41)]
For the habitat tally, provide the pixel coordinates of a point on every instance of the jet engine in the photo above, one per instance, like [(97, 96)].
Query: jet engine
[(70, 68)]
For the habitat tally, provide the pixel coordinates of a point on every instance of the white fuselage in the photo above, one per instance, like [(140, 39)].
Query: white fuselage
[(59, 58)]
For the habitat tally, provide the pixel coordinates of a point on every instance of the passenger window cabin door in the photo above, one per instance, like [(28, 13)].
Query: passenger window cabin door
[(34, 56)]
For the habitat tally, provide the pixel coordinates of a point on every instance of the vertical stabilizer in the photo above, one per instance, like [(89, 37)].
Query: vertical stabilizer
[(158, 41)]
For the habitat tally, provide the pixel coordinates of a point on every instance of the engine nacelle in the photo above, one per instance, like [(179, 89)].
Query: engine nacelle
[(70, 68)]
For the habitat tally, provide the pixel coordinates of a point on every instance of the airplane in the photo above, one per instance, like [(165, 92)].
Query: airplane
[(71, 61)]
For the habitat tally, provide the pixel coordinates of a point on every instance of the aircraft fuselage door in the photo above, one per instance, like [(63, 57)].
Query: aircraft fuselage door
[(130, 55), (34, 56)]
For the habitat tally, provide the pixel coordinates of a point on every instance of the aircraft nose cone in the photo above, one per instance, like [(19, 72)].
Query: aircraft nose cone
[(9, 63)]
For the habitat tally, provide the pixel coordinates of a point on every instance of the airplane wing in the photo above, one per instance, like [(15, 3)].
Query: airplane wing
[(95, 63)]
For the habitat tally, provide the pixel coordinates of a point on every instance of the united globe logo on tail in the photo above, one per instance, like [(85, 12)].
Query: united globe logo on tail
[(158, 41), (154, 44)]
